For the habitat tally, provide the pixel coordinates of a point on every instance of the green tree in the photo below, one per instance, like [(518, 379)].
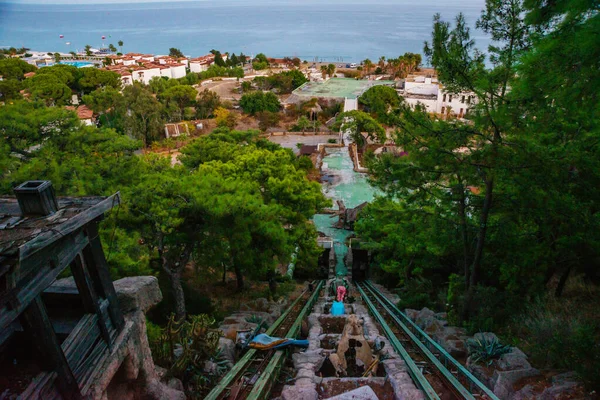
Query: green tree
[(142, 114), (50, 89), (15, 68), (254, 102), (208, 101), (120, 43), (102, 101), (175, 52), (303, 123), (26, 124), (93, 78), (179, 97), (359, 123), (267, 119), (112, 48), (225, 118), (331, 70), (380, 100), (88, 50)]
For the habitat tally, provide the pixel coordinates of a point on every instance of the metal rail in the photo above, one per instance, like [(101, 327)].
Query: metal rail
[(264, 384), (413, 370), (252, 356), (459, 378)]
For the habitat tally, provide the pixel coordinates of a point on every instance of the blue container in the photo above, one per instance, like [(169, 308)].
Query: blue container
[(337, 308)]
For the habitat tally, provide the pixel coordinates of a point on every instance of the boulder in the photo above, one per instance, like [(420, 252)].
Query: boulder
[(456, 348), (362, 393), (516, 359), (412, 314), (505, 380), (424, 317), (137, 293), (296, 392), (564, 390), (526, 393), (481, 373)]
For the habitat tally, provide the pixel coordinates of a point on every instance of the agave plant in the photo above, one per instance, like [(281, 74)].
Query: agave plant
[(486, 350)]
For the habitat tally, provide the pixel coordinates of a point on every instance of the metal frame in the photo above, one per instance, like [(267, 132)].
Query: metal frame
[(474, 383)]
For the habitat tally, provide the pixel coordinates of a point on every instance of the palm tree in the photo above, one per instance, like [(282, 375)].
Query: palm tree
[(112, 48), (381, 63), (120, 43), (331, 70), (324, 71), (368, 65), (88, 50)]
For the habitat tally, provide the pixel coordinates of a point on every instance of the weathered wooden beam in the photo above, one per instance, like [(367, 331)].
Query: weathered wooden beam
[(20, 297), (94, 257), (36, 322), (88, 295), (47, 238), (81, 340)]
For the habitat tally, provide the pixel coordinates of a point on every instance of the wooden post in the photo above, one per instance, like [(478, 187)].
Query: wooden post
[(98, 269), (36, 322), (88, 295)]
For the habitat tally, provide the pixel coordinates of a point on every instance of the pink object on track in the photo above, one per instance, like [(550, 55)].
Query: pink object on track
[(341, 293)]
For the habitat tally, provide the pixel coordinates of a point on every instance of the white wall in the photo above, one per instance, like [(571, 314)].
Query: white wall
[(197, 67), (178, 71), (146, 75)]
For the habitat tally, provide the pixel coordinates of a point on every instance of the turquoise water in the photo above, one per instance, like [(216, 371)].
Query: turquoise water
[(349, 186), (78, 64)]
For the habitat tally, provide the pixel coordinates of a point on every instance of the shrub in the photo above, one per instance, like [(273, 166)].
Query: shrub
[(332, 141), (255, 102), (484, 350)]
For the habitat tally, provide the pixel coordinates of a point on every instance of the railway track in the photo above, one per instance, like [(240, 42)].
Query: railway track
[(253, 375), (430, 366)]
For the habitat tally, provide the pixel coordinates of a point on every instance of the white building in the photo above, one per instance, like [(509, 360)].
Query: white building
[(430, 93), (201, 63)]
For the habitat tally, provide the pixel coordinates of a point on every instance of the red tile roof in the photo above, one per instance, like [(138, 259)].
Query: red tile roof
[(82, 111)]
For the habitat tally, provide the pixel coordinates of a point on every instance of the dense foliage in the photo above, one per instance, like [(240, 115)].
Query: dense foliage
[(500, 210), (255, 102)]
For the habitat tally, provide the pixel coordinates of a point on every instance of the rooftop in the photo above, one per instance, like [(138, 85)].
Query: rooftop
[(338, 88), (16, 229)]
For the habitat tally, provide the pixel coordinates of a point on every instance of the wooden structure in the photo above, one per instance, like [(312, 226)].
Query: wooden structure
[(52, 342)]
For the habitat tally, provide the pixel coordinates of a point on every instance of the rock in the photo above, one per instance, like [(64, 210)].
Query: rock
[(558, 391), (513, 360), (262, 304), (176, 384), (481, 373), (526, 393), (137, 293), (505, 380), (456, 348), (158, 391), (424, 316), (362, 393), (412, 314), (565, 377), (312, 358), (210, 368), (299, 393), (432, 326)]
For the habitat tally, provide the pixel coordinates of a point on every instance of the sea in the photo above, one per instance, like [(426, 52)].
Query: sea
[(326, 30)]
